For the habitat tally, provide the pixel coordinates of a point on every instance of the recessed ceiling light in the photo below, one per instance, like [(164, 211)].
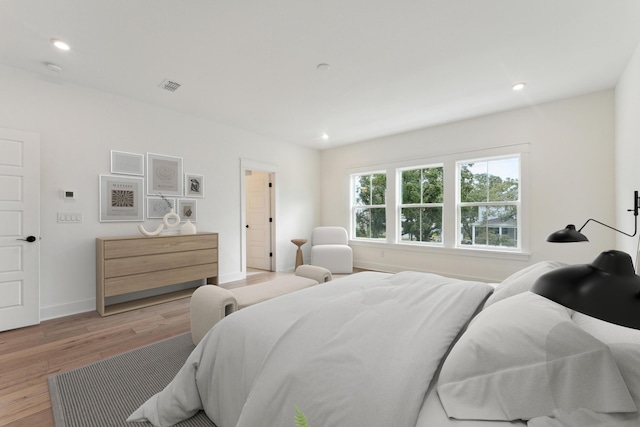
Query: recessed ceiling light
[(53, 67), (518, 86), (325, 137), (323, 67), (60, 44)]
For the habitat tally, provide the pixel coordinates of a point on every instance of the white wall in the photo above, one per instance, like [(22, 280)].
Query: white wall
[(78, 127), (571, 179), (627, 153)]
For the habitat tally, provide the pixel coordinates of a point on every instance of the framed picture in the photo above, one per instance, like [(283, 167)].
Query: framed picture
[(121, 198), (127, 163), (187, 209), (157, 207), (193, 185), (164, 175)]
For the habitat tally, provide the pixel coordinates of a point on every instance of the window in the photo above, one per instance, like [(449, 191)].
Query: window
[(421, 202), (458, 203), (369, 206), (489, 202)]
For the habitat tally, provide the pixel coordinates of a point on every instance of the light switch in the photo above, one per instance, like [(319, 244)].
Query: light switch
[(70, 217)]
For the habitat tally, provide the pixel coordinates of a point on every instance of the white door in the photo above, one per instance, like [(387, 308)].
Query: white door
[(258, 205), (19, 229)]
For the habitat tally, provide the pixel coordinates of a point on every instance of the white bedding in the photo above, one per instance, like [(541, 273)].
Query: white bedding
[(356, 351), (376, 349)]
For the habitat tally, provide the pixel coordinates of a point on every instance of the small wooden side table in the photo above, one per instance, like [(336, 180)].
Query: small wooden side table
[(299, 243)]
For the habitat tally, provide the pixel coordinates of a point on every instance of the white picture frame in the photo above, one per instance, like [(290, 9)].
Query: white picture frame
[(193, 185), (164, 175), (187, 209), (127, 163), (121, 198), (157, 207)]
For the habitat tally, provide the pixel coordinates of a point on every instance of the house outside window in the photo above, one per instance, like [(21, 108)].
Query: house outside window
[(421, 204), (368, 207), (489, 203)]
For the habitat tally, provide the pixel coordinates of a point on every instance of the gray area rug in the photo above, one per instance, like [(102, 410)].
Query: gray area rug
[(105, 393)]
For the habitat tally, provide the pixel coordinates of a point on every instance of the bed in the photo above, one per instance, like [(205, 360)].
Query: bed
[(409, 349)]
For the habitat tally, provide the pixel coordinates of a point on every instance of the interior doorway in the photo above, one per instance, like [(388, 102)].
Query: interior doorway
[(19, 229), (258, 220), (259, 217)]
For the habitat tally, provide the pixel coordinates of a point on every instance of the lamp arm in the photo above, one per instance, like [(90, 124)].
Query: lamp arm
[(636, 208), (635, 229)]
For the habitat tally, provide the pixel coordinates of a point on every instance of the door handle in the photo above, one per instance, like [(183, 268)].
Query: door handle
[(246, 226), (29, 239)]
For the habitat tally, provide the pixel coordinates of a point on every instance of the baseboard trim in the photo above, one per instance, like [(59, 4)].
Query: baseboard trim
[(76, 307), (83, 306), (230, 277)]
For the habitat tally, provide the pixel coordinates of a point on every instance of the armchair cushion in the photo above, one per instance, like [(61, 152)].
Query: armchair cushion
[(329, 249)]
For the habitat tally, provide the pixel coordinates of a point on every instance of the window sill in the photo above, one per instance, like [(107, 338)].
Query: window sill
[(439, 249)]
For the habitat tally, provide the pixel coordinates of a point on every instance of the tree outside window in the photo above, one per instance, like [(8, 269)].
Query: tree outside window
[(489, 202), (421, 205), (369, 209)]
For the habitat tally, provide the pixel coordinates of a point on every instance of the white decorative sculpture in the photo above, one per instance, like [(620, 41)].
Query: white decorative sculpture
[(168, 220), (144, 232), (188, 228)]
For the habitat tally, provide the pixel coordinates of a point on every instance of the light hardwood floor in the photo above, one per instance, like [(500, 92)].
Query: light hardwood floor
[(29, 355)]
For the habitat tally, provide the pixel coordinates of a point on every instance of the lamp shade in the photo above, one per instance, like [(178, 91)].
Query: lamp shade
[(569, 234), (607, 289)]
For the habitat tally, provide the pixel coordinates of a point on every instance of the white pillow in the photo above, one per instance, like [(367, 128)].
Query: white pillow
[(521, 281), (522, 358), (608, 333), (625, 346), (627, 357)]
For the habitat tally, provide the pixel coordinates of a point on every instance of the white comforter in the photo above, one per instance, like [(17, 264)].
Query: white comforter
[(357, 351)]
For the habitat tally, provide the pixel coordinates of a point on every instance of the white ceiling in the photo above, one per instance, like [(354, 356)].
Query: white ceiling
[(395, 65)]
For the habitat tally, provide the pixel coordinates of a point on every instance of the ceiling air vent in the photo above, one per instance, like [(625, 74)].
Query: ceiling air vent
[(169, 85)]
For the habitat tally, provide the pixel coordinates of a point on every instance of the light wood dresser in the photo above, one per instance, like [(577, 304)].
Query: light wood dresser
[(125, 265)]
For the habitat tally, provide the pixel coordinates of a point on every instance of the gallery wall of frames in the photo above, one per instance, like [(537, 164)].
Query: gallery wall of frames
[(148, 186)]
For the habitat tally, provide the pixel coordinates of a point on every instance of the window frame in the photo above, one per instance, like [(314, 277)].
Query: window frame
[(399, 205), (353, 207), (377, 247), (460, 204)]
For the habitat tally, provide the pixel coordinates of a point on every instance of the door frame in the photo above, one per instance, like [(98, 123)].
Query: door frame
[(272, 170)]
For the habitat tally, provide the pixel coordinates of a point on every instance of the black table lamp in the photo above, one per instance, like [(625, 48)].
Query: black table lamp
[(607, 289)]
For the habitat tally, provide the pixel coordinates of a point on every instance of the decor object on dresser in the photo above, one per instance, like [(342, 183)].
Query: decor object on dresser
[(210, 304), (330, 249), (156, 232), (188, 228), (125, 265), (171, 220)]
